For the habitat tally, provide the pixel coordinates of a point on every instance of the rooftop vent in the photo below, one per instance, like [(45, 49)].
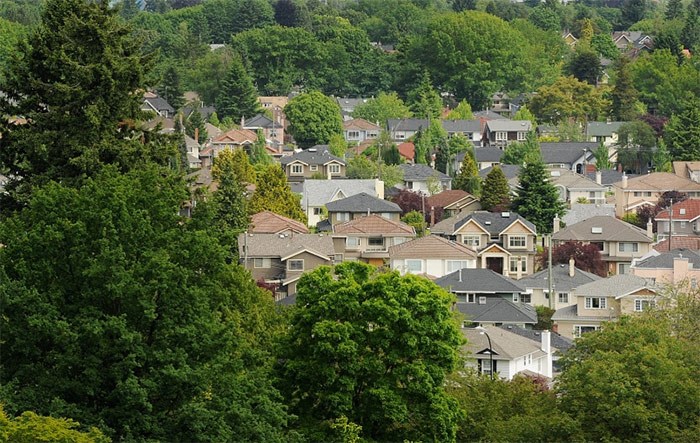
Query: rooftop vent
[(311, 149), (555, 173), (505, 214), (482, 300), (487, 222), (596, 230)]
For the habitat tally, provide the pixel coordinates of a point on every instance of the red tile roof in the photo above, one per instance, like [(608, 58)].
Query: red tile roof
[(236, 136), (685, 210), (267, 222), (407, 150), (679, 242), (360, 123), (445, 198)]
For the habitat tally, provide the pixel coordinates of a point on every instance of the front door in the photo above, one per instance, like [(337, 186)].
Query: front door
[(495, 264)]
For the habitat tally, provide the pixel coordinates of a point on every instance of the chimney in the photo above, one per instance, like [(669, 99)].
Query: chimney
[(432, 216), (242, 121), (460, 274), (599, 177), (547, 349), (650, 229), (556, 225), (624, 181), (196, 135), (572, 267)]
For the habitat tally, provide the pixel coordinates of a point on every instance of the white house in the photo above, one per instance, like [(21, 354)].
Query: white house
[(432, 255)]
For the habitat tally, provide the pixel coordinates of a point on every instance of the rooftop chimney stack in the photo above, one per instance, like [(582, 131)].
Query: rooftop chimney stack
[(547, 348), (555, 224), (624, 181), (572, 267), (650, 229), (599, 177)]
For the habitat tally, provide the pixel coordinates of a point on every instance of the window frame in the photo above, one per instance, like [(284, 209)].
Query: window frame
[(334, 168), (296, 169), (602, 303), (622, 248), (639, 304), (263, 261), (518, 237), (407, 263), (467, 239), (290, 266), (564, 299)]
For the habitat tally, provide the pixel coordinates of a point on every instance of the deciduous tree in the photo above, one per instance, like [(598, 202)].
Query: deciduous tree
[(463, 111), (273, 194), (381, 108), (313, 119), (586, 257)]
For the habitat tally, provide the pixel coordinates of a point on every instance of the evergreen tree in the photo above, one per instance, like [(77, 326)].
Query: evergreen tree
[(690, 37), (237, 98), (682, 134), (624, 95), (585, 65), (602, 158), (424, 100), (536, 198), (422, 146), (468, 179), (196, 122), (170, 88), (273, 194), (463, 111), (258, 152), (674, 10), (214, 119), (443, 157), (235, 162), (463, 5), (495, 194), (230, 200), (632, 11), (391, 156)]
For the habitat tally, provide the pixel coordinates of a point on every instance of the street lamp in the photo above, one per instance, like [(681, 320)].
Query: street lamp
[(482, 331)]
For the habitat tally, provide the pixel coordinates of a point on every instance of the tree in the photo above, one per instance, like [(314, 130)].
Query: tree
[(337, 145), (415, 219), (604, 46), (409, 201), (545, 18), (468, 178), (586, 257), (544, 318), (463, 5), (391, 156), (585, 65), (77, 120), (636, 145), (361, 167), (690, 36), (567, 98), (313, 119), (674, 10), (196, 127), (273, 194), (170, 88), (646, 213), (444, 157), (523, 113), (518, 153), (495, 192), (632, 11), (536, 198), (682, 134), (109, 282), (238, 97), (424, 100), (602, 158), (236, 163), (624, 96), (289, 13), (32, 427), (375, 348), (391, 175), (463, 111), (662, 158), (383, 107), (258, 152)]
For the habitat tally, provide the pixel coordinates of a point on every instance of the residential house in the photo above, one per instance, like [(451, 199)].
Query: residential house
[(432, 255), (233, 139), (273, 130), (485, 297), (578, 212), (677, 267), (316, 194), (192, 147), (485, 158), (501, 104), (604, 300), (504, 242), (677, 242), (631, 193), (604, 132), (369, 238), (619, 242), (361, 205), (488, 115), (401, 129), (689, 170), (499, 133), (348, 105), (498, 351), (157, 105), (268, 222), (573, 187), (359, 130), (565, 277), (424, 179), (275, 106), (632, 43), (452, 202), (569, 38), (560, 345), (470, 129), (607, 178), (313, 162), (680, 220), (281, 259), (574, 156)]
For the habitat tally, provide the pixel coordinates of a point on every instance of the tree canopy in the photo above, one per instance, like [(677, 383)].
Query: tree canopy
[(495, 193), (313, 119), (536, 198), (273, 194)]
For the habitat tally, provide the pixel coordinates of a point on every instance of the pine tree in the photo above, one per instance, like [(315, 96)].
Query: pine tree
[(624, 95), (273, 194), (238, 97), (674, 10), (443, 157), (468, 178), (424, 100), (196, 122), (258, 152), (495, 194), (170, 88), (537, 199)]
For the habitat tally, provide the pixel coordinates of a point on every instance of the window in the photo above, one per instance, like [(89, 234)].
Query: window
[(580, 330), (516, 298), (501, 136), (353, 134), (262, 263), (408, 185), (295, 265), (375, 241), (623, 268), (526, 298), (517, 241), (386, 215), (471, 298), (514, 264), (456, 265), (471, 240), (563, 297), (683, 224), (599, 244), (338, 258), (334, 168), (414, 266), (313, 167), (317, 211), (342, 216), (641, 304), (596, 303), (372, 134), (592, 195), (351, 242), (297, 169), (400, 135), (628, 247), (521, 136)]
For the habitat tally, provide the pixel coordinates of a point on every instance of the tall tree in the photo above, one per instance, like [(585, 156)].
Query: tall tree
[(463, 111), (523, 113), (388, 377), (468, 178), (690, 36), (238, 97), (518, 153), (273, 194), (258, 152), (624, 96), (32, 427), (637, 142), (236, 163), (313, 119), (674, 10), (170, 88), (602, 158), (195, 126), (585, 65), (424, 100), (444, 157), (633, 11), (290, 13), (75, 83), (682, 134), (381, 108), (536, 198), (568, 98), (495, 193)]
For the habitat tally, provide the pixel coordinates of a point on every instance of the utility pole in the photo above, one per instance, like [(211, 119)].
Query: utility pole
[(549, 271), (670, 225)]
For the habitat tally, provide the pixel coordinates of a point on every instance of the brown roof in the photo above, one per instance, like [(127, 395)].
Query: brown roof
[(431, 246), (407, 150), (659, 181), (268, 222), (374, 224), (602, 228), (237, 136), (284, 245), (360, 123), (685, 210), (446, 198), (679, 242), (280, 101)]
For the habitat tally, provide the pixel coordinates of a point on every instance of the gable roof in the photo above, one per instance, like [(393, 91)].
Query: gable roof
[(566, 153), (506, 345), (279, 245), (557, 341), (158, 104), (659, 182), (615, 286), (362, 202), (268, 222), (563, 282), (494, 222), (571, 180), (431, 246), (609, 176), (582, 211), (612, 229), (446, 198), (665, 260), (498, 310), (360, 124), (407, 150), (447, 226), (509, 171), (374, 224), (236, 136), (316, 193), (509, 125), (487, 154), (678, 242), (278, 101), (407, 124), (316, 155), (419, 172), (489, 115), (483, 281), (603, 129), (686, 210), (258, 121), (451, 126)]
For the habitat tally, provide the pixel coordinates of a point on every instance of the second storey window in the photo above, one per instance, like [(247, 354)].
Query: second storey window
[(295, 265), (353, 135), (313, 168), (334, 168), (501, 136), (297, 169), (521, 136), (343, 216), (517, 241), (563, 297), (262, 263), (471, 240), (596, 303), (641, 304), (352, 242), (628, 247)]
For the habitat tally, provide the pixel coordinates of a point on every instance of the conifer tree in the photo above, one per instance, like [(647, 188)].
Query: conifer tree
[(258, 153), (495, 194), (170, 88), (195, 121), (238, 97), (444, 157), (424, 100), (624, 95), (674, 10), (463, 111), (468, 178), (536, 198), (236, 162), (273, 194)]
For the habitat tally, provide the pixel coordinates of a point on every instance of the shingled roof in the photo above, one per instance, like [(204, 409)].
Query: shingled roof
[(480, 281), (431, 246), (268, 222), (665, 260), (278, 245), (374, 224), (602, 228), (316, 155), (563, 282), (363, 202), (494, 222), (498, 310)]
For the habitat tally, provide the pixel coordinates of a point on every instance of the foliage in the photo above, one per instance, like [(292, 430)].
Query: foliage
[(273, 194), (648, 212), (567, 98), (337, 145), (409, 201), (381, 108), (468, 178), (108, 282), (195, 126), (536, 198), (586, 257), (361, 167), (682, 134), (585, 65), (495, 193), (291, 13), (602, 158), (372, 347), (234, 162), (517, 153), (32, 427), (313, 119), (391, 175), (463, 111), (415, 219), (523, 113), (170, 88), (12, 34), (391, 156), (237, 97), (544, 318), (662, 158), (636, 145), (444, 157), (604, 46), (424, 100), (623, 95)]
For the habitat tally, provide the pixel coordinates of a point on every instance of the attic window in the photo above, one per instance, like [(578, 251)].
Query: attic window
[(596, 230), (505, 214), (682, 211)]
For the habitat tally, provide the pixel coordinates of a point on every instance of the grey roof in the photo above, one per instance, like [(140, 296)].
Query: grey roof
[(480, 281), (362, 202), (321, 192), (278, 245), (566, 153), (160, 104), (506, 344), (348, 104), (259, 121), (494, 222), (609, 176), (579, 212), (615, 286), (557, 341), (665, 259), (418, 172), (599, 129), (498, 310), (487, 154), (510, 171), (560, 275), (407, 124), (612, 229), (461, 125), (509, 125), (489, 115), (316, 155)]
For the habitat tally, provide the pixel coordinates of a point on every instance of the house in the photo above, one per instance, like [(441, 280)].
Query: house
[(574, 156), (565, 277), (470, 129), (485, 158), (235, 138), (631, 193), (347, 105), (677, 267), (407, 151), (358, 130), (401, 129), (268, 222), (578, 212), (632, 42), (494, 350), (313, 162), (607, 178), (603, 132), (501, 104), (573, 187), (361, 205), (274, 107), (619, 242), (452, 202), (504, 242), (157, 105), (192, 147), (424, 179), (488, 115), (678, 242), (569, 39), (487, 297), (316, 194), (689, 170), (273, 130), (369, 238), (560, 345), (281, 259), (680, 220), (432, 255), (602, 301), (499, 133)]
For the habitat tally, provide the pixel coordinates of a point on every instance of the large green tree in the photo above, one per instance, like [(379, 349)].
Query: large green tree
[(637, 142), (568, 98), (625, 106), (682, 134), (468, 178), (381, 108), (463, 111), (495, 194), (273, 194), (424, 100), (238, 97), (119, 313), (536, 198), (313, 119), (375, 348)]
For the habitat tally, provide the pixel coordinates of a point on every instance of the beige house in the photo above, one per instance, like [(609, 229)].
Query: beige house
[(316, 194), (361, 205), (369, 238), (632, 193), (313, 162), (602, 301), (573, 187), (432, 255), (619, 242), (678, 267), (604, 132), (565, 278), (358, 130), (233, 139)]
